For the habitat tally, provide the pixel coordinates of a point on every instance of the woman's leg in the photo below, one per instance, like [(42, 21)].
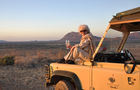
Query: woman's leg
[(79, 53)]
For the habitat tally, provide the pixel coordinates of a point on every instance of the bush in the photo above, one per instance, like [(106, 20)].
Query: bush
[(7, 60)]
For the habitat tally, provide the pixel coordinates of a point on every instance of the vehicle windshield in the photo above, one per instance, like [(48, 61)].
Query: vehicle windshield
[(111, 42), (133, 44)]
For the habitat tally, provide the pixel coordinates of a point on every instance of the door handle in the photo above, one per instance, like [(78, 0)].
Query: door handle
[(131, 80)]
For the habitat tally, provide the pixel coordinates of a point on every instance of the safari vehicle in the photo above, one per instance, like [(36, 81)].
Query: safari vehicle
[(115, 64)]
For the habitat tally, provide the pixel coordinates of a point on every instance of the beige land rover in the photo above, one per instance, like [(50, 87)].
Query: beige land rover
[(116, 63)]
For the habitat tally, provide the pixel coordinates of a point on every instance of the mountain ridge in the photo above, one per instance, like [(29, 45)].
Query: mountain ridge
[(75, 37)]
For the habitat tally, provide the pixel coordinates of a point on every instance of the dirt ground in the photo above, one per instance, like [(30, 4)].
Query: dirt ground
[(22, 78), (16, 78)]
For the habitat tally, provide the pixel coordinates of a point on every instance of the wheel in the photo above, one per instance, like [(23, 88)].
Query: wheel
[(132, 60), (64, 85)]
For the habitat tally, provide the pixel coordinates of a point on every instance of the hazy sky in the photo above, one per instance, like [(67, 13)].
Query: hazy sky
[(25, 20)]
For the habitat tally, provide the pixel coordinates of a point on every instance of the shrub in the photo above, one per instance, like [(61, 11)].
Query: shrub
[(7, 60)]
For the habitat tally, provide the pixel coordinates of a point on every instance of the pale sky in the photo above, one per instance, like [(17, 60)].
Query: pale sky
[(26, 20)]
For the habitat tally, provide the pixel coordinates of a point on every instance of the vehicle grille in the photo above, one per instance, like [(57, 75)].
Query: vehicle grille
[(47, 74)]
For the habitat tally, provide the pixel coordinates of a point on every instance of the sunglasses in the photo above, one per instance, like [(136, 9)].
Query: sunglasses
[(83, 30)]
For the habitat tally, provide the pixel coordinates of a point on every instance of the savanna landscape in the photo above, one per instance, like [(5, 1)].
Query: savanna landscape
[(34, 33), (30, 58)]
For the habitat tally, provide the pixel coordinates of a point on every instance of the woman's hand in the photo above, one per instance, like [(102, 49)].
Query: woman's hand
[(72, 48)]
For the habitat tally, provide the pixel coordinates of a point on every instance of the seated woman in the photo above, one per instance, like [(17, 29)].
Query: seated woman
[(82, 51)]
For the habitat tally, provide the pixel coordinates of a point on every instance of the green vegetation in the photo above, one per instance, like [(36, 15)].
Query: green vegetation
[(7, 60)]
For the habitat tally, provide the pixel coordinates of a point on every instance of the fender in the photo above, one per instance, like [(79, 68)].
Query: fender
[(68, 74)]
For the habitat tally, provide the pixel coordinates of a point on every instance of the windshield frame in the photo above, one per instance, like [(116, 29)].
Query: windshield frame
[(123, 28), (125, 32)]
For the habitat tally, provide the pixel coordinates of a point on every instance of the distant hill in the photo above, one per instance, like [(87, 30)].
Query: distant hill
[(135, 35), (2, 41), (72, 36), (75, 37)]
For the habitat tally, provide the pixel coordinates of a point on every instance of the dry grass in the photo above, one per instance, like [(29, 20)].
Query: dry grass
[(38, 56), (28, 72), (16, 78)]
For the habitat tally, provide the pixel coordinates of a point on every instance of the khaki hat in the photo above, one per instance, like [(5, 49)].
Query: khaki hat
[(83, 27)]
